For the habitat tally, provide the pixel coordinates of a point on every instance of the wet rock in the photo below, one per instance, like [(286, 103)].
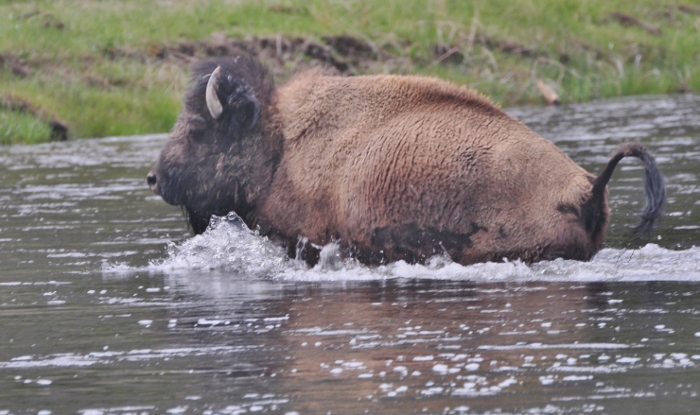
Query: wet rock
[(548, 93)]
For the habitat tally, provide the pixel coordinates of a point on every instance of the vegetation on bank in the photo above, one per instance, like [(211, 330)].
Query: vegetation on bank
[(103, 67)]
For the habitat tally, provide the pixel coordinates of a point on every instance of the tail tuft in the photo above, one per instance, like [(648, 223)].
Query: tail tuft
[(654, 185)]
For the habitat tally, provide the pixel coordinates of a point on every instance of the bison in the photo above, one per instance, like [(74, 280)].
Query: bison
[(387, 167)]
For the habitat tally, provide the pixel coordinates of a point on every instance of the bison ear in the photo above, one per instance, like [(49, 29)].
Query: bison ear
[(248, 111), (246, 108)]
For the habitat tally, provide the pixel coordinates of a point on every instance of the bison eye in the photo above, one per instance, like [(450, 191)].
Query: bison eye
[(568, 209), (196, 128), (247, 115)]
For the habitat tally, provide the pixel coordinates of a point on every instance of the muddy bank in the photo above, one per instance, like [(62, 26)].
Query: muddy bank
[(58, 128), (349, 55)]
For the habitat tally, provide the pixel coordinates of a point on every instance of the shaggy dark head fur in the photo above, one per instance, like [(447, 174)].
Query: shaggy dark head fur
[(226, 144)]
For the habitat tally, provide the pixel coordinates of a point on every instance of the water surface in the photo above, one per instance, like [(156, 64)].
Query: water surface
[(108, 306)]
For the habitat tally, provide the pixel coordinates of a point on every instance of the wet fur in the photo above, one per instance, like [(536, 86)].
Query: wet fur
[(391, 168)]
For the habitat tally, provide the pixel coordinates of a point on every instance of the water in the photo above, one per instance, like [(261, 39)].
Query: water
[(108, 306)]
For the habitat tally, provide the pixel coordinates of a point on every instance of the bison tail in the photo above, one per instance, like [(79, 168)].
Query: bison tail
[(654, 187)]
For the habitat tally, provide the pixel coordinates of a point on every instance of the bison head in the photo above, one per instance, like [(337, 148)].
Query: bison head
[(225, 147)]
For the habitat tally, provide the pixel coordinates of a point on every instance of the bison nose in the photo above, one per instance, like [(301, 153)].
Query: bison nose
[(151, 180)]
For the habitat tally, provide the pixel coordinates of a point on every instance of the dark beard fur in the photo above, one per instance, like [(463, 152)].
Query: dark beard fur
[(195, 222)]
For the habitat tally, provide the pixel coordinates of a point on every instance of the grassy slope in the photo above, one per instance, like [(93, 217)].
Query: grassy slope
[(96, 65)]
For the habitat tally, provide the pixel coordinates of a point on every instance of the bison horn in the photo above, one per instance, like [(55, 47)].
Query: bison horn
[(213, 102)]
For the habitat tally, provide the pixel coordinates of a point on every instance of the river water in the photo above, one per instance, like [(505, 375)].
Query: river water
[(108, 306)]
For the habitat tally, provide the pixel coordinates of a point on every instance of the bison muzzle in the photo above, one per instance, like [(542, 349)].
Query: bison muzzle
[(387, 167)]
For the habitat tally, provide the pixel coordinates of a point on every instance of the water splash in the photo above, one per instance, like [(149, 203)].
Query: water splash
[(229, 246)]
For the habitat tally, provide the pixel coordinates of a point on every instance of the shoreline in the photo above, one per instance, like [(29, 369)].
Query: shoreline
[(106, 69)]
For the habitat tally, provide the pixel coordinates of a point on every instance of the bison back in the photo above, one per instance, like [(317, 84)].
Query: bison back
[(405, 168)]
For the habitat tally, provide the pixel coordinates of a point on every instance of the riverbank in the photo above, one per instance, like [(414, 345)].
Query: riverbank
[(99, 68)]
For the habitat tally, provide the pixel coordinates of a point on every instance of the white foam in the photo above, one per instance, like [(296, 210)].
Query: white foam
[(109, 358), (228, 245)]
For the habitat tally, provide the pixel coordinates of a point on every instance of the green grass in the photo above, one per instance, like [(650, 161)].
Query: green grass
[(22, 128), (98, 64)]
